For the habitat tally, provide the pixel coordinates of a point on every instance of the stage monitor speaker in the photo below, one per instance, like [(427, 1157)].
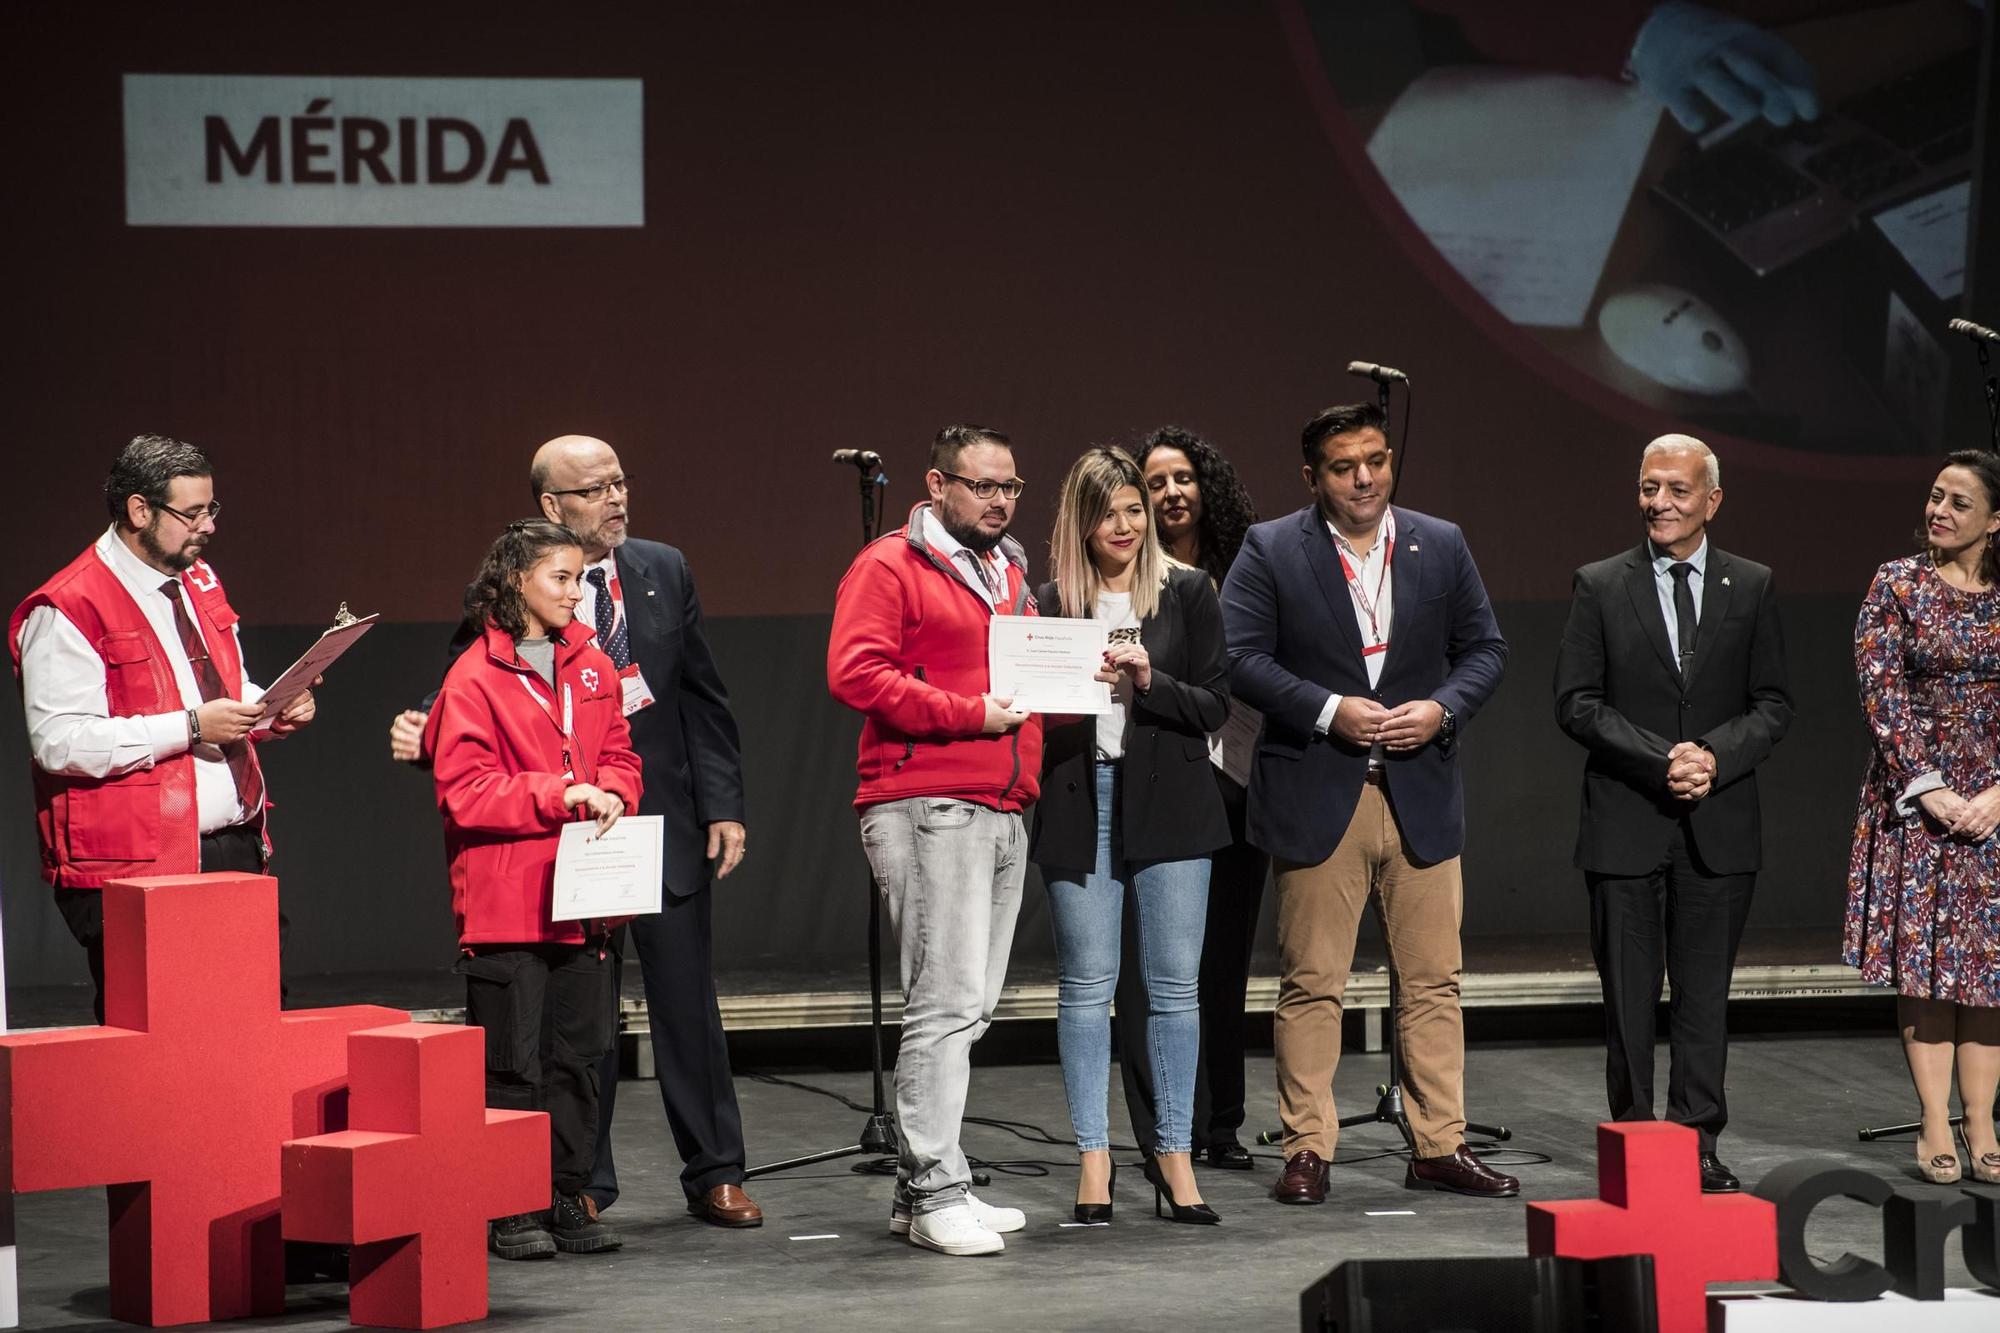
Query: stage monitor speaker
[(1483, 1296)]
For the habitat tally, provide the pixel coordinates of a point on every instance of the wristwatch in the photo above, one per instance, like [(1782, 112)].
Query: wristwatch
[(1447, 726), (194, 728)]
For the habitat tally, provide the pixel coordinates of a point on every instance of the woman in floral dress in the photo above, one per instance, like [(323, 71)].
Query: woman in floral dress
[(1923, 879)]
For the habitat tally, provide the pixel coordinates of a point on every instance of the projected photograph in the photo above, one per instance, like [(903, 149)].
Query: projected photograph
[(1753, 215)]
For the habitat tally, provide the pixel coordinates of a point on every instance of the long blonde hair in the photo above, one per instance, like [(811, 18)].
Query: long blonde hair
[(1083, 504)]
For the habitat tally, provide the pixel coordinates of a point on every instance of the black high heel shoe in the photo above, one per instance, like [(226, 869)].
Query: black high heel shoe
[(1199, 1214), (1099, 1212)]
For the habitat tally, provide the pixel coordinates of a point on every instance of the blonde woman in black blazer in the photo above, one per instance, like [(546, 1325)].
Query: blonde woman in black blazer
[(1128, 802)]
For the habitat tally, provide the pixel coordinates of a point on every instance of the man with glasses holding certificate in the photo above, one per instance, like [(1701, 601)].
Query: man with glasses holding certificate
[(140, 714), (946, 769)]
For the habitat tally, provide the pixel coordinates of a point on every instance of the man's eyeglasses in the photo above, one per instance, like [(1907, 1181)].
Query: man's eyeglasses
[(192, 517), (986, 489), (591, 495)]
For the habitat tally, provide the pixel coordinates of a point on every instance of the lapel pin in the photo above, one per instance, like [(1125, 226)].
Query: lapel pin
[(1725, 580), (1413, 548)]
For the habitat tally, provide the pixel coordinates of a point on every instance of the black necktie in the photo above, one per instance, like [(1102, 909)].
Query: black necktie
[(1684, 613), (249, 785), (616, 644)]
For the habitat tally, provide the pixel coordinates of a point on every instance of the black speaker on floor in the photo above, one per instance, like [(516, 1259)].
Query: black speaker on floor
[(1483, 1296)]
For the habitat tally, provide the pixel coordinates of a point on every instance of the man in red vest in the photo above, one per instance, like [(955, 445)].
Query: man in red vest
[(140, 718)]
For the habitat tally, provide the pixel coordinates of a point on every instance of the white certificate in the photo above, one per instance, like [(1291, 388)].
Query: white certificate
[(617, 874), (1231, 746), (1048, 664)]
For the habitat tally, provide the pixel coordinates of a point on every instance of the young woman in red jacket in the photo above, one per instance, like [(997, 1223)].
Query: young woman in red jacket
[(527, 735)]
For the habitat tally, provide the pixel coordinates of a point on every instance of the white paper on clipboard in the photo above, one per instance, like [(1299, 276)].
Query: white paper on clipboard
[(298, 677)]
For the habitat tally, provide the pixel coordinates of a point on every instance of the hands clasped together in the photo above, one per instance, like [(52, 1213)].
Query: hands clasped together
[(1362, 721), (1972, 818), (1690, 771)]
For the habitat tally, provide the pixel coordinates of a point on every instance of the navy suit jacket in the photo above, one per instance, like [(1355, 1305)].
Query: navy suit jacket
[(686, 739), (1293, 641)]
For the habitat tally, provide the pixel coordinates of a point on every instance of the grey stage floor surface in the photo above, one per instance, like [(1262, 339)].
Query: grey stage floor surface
[(824, 1260)]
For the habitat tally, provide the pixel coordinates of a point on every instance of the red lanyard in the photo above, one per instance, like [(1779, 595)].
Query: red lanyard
[(566, 724), (1386, 539)]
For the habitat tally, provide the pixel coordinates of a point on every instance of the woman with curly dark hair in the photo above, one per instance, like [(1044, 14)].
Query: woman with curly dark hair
[(1201, 508), (1201, 512)]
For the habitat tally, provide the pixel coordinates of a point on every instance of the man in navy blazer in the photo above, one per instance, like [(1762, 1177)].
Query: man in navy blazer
[(640, 597), (1363, 633)]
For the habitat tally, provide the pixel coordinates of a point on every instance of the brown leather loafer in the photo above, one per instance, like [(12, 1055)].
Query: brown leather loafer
[(1460, 1173), (1304, 1179), (727, 1206)]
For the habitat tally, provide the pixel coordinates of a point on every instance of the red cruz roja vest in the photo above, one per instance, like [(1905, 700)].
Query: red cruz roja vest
[(145, 822)]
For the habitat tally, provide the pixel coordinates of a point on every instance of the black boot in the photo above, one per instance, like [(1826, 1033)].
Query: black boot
[(521, 1236), (577, 1232)]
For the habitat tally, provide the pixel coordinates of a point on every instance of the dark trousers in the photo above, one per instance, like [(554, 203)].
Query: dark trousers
[(1683, 922), (549, 1011), (239, 848), (1235, 897), (690, 1054)]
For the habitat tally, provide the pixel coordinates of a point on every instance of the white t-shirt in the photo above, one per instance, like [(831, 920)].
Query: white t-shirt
[(1115, 610)]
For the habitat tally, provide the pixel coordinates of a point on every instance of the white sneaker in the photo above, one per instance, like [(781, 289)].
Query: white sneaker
[(995, 1220), (953, 1230)]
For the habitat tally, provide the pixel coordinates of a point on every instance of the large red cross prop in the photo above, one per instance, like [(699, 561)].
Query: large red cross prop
[(182, 1101), (1650, 1202), (411, 1182)]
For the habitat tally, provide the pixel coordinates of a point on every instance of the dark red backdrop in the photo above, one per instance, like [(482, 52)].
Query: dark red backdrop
[(1073, 221)]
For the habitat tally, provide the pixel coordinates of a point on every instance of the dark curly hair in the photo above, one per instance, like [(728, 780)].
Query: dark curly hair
[(493, 594), (1984, 465), (1226, 511)]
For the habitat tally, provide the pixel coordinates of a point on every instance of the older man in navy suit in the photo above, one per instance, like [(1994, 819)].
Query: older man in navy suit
[(1363, 633)]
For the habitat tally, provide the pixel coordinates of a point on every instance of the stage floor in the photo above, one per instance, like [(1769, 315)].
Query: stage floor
[(824, 1259)]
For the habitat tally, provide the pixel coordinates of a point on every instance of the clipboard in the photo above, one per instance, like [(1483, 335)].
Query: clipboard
[(324, 652)]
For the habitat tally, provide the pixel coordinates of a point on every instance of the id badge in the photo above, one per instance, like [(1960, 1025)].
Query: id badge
[(637, 693)]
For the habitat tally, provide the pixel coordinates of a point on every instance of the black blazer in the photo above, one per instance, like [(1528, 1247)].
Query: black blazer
[(1618, 695), (686, 739), (1293, 641), (1172, 809)]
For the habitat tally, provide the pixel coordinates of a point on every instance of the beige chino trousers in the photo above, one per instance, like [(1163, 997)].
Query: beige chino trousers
[(1319, 912)]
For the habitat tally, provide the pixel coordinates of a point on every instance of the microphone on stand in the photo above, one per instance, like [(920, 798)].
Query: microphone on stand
[(863, 458), (1380, 374), (1971, 330)]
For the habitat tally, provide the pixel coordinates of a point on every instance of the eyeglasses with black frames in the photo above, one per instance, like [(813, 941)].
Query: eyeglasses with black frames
[(192, 517), (601, 492), (985, 488)]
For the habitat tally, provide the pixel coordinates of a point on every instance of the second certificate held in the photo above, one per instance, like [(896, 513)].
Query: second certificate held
[(1048, 664)]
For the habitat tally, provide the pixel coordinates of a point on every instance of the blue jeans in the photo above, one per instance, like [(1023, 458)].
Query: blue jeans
[(1172, 897)]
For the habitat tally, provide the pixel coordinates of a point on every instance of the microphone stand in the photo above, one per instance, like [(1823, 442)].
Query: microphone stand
[(1992, 396), (878, 1132)]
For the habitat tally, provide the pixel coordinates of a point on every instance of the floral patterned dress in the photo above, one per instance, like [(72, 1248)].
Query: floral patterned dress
[(1923, 911)]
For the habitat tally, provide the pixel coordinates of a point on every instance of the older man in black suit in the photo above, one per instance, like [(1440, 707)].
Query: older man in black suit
[(1672, 677), (1364, 634), (640, 597)]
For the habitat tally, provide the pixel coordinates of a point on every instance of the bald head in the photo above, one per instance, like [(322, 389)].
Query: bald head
[(578, 482)]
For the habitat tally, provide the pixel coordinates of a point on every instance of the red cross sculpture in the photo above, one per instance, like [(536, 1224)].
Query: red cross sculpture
[(182, 1101), (1650, 1202), (412, 1181)]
